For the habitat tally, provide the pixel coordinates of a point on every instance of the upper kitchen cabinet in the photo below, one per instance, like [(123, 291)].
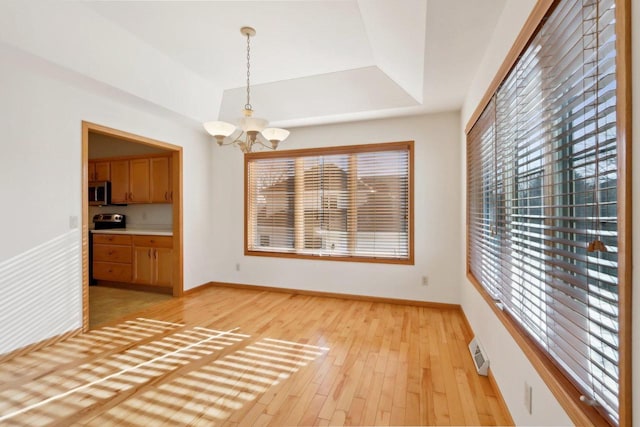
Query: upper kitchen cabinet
[(119, 181), (160, 180), (99, 171), (141, 180)]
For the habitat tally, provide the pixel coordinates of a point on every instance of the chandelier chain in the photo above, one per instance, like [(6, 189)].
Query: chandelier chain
[(248, 104)]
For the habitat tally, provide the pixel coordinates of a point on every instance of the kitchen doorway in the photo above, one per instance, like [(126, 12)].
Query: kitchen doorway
[(141, 144)]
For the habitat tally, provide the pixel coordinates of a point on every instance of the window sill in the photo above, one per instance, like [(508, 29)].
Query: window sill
[(409, 261)]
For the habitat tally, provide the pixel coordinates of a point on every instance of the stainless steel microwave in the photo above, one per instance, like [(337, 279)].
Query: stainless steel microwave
[(99, 193)]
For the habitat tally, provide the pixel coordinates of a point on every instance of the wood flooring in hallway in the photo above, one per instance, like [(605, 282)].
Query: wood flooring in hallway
[(108, 304), (239, 357)]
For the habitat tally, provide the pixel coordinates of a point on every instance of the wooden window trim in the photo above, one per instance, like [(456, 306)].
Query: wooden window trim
[(347, 149), (563, 390), (529, 30)]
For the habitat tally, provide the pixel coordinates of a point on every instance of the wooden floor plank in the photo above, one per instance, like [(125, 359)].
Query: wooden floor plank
[(303, 360)]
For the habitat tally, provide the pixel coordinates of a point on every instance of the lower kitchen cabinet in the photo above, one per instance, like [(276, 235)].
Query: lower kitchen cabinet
[(139, 259), (153, 260), (164, 267), (112, 257), (111, 271)]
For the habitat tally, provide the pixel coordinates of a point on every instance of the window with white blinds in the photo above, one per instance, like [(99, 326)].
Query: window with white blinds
[(542, 197), (352, 203)]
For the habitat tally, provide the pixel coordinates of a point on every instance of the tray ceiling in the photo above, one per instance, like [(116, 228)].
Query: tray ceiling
[(311, 61)]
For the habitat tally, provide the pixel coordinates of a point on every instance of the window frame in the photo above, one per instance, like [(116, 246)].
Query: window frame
[(327, 151), (562, 388)]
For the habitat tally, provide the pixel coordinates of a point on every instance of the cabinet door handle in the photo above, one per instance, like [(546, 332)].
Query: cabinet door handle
[(149, 253), (155, 254), (166, 195), (131, 197)]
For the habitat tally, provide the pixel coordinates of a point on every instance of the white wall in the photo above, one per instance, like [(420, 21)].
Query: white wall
[(71, 34), (437, 207), (508, 363), (41, 109)]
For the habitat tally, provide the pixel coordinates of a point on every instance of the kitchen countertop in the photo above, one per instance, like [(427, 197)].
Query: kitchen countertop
[(140, 231)]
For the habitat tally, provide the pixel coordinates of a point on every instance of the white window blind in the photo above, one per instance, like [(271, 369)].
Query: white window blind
[(542, 196), (346, 202)]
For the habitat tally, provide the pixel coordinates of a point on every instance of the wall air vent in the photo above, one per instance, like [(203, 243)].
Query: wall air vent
[(479, 357)]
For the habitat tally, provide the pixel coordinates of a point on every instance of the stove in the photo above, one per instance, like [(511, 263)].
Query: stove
[(106, 221)]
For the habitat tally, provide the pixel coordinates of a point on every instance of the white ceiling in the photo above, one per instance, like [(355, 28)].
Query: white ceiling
[(311, 61)]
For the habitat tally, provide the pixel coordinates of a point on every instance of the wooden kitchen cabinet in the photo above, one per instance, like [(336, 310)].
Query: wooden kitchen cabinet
[(120, 181), (99, 171), (139, 183), (112, 257), (112, 253), (160, 182), (153, 260), (164, 267), (112, 272), (143, 265), (141, 180), (139, 259), (130, 181)]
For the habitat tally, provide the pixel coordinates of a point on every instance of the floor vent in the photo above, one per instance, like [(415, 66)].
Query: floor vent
[(479, 357)]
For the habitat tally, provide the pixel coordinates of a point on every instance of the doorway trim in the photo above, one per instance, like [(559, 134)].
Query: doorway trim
[(176, 186)]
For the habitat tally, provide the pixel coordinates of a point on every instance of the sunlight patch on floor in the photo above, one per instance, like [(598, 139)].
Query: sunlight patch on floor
[(219, 388), (79, 347), (44, 399), (33, 394)]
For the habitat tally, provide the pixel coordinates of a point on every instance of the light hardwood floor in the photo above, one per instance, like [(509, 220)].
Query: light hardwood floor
[(232, 357), (108, 304)]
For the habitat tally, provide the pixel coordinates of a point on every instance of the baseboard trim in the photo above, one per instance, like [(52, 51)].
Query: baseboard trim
[(38, 345), (500, 397), (427, 304), (136, 287)]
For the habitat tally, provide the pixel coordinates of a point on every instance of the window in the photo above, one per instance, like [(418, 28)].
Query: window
[(350, 203), (543, 178)]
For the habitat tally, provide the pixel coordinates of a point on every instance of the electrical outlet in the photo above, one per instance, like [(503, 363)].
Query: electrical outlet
[(237, 266), (425, 281), (73, 222), (528, 397)]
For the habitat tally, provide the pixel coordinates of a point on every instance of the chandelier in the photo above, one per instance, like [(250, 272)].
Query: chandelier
[(253, 131)]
